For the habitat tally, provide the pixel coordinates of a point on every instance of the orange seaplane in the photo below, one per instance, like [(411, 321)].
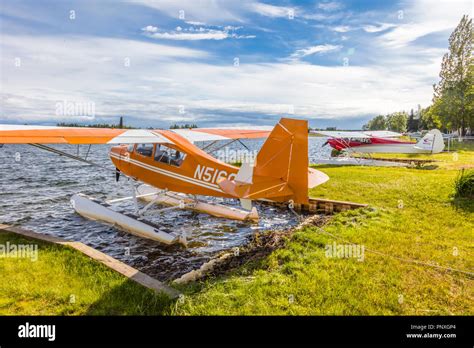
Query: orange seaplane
[(167, 167)]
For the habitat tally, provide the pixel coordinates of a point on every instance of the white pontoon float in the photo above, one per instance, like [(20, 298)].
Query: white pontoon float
[(95, 210), (151, 194), (136, 224)]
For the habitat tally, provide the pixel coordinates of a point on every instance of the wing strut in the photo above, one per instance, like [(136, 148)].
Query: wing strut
[(65, 154)]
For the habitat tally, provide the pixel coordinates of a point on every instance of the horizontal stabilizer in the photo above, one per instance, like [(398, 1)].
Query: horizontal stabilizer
[(316, 177)]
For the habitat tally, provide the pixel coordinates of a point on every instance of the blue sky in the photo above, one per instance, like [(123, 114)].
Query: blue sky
[(336, 63)]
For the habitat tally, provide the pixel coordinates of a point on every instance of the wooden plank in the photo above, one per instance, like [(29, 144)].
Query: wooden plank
[(326, 206), (345, 207), (118, 266), (351, 204)]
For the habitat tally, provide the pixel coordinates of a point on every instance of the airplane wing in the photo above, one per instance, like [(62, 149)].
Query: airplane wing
[(383, 134), (357, 134), (18, 134), (225, 133), (342, 134)]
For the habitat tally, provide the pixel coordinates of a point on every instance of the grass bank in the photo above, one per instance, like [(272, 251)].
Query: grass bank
[(62, 281), (412, 216)]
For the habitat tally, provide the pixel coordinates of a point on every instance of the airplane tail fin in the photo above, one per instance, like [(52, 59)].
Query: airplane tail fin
[(280, 172), (432, 142)]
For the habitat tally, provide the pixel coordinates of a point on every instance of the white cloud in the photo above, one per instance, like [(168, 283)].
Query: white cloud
[(377, 28), (158, 81), (321, 16), (422, 17), (160, 77), (230, 27), (271, 10), (407, 33), (72, 68), (73, 49), (205, 12), (342, 28), (202, 11), (209, 35), (196, 33), (330, 6), (315, 49), (235, 36), (150, 29), (195, 23)]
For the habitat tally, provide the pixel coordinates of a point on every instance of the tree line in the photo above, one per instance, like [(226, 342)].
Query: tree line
[(183, 126), (120, 125), (452, 107), (92, 125)]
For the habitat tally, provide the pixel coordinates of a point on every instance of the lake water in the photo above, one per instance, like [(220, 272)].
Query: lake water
[(35, 188)]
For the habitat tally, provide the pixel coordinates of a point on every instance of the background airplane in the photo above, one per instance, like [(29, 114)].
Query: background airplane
[(383, 142)]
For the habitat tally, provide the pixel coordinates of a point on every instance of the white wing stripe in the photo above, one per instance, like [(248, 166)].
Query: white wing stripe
[(136, 136), (193, 136)]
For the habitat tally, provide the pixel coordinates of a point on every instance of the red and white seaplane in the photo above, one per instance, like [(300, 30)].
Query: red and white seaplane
[(382, 142), (176, 171)]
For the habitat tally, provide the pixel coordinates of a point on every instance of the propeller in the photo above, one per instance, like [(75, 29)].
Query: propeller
[(117, 174)]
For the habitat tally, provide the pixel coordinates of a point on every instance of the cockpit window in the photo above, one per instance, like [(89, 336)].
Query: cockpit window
[(165, 154), (145, 149), (130, 148)]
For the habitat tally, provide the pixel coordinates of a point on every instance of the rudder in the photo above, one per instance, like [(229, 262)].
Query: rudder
[(432, 142), (284, 155)]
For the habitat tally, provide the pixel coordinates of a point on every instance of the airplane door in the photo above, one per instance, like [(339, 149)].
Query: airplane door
[(142, 153), (124, 156)]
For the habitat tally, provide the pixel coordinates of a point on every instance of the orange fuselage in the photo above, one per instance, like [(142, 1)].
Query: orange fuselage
[(198, 173)]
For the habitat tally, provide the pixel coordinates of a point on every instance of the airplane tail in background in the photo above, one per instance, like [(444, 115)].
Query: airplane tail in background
[(280, 172), (432, 142)]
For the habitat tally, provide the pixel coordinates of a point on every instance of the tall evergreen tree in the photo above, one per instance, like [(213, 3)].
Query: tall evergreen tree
[(412, 123)]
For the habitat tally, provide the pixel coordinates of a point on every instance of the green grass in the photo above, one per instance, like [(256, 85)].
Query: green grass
[(413, 214), (464, 184), (65, 282)]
